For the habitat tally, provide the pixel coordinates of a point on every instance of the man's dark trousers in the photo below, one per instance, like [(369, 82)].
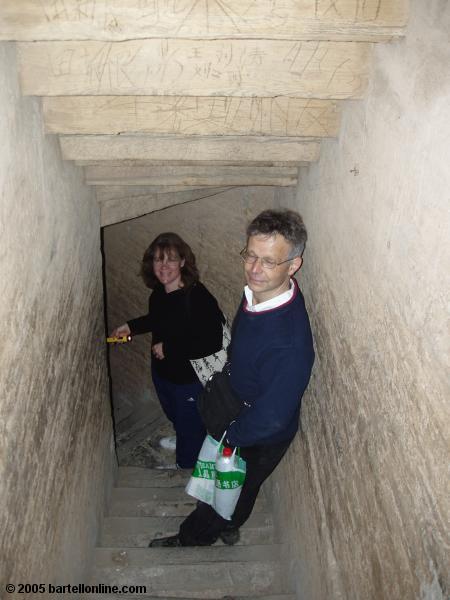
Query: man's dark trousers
[(203, 526)]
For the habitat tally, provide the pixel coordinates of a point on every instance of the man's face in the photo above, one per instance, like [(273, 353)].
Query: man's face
[(268, 283)]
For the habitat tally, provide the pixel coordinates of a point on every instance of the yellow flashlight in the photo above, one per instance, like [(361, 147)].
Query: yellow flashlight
[(123, 339)]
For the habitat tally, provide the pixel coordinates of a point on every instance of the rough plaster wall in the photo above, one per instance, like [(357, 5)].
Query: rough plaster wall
[(56, 455), (362, 498), (215, 229)]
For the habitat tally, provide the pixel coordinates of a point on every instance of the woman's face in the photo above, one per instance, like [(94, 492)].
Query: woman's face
[(167, 267)]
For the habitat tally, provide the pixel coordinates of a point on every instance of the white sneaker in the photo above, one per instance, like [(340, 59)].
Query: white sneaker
[(168, 443)]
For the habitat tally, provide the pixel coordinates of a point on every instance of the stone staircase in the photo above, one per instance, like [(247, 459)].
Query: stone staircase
[(148, 503)]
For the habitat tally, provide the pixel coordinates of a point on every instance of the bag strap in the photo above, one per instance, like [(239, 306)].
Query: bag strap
[(234, 323), (187, 297)]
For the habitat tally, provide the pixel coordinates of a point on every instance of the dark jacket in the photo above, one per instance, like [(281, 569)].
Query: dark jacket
[(272, 356), (189, 324)]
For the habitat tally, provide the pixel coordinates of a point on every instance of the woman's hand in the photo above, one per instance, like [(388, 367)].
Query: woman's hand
[(122, 330), (157, 350)]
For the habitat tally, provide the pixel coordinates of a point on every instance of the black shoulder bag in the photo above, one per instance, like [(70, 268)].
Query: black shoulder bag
[(217, 404)]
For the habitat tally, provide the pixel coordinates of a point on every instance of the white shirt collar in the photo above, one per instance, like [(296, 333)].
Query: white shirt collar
[(268, 304)]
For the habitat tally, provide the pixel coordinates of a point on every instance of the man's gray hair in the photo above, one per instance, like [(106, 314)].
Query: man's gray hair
[(287, 223)]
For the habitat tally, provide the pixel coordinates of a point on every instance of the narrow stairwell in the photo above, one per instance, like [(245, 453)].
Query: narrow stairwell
[(150, 503)]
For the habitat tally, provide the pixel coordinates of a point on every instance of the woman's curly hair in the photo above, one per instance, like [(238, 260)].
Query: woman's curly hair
[(171, 244)]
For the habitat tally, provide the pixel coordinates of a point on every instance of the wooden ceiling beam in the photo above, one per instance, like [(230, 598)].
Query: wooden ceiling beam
[(116, 20), (255, 68), (187, 163), (139, 147), (149, 189), (190, 115), (108, 193), (189, 176)]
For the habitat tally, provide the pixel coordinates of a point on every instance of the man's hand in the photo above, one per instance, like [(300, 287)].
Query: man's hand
[(157, 350), (122, 330)]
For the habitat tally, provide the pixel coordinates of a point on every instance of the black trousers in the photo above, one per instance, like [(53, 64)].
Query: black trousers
[(203, 526)]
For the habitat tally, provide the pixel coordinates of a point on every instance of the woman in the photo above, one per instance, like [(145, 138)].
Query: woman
[(186, 323)]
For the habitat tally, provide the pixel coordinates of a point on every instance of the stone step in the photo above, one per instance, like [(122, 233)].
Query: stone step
[(200, 572), (152, 502), (138, 531), (139, 477)]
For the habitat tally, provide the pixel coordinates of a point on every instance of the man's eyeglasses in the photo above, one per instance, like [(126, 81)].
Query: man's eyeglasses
[(266, 263)]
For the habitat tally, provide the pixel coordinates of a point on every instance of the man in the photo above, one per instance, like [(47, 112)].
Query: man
[(271, 360)]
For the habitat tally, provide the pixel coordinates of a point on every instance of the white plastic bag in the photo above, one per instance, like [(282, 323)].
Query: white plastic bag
[(216, 487), (201, 483)]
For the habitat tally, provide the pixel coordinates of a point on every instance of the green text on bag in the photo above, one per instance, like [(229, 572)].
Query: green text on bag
[(204, 469), (230, 480)]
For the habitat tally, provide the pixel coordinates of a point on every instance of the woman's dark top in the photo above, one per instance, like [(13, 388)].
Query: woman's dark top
[(188, 322)]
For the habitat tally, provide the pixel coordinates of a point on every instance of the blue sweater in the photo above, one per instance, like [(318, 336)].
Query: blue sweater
[(272, 356)]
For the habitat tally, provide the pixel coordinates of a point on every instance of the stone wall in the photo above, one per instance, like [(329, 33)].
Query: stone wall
[(56, 445), (215, 229), (362, 499)]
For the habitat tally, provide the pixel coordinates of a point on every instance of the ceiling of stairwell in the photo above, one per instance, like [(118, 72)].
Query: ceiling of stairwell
[(164, 101)]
